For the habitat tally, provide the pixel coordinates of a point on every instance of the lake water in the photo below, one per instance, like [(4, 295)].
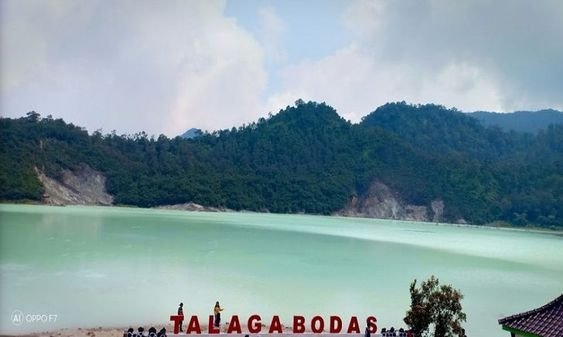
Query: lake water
[(96, 266)]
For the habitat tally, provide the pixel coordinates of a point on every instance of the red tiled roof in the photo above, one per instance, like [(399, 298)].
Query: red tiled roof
[(546, 321)]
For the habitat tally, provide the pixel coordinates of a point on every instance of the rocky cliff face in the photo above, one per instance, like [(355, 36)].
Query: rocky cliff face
[(82, 186), (191, 206), (86, 186), (383, 203)]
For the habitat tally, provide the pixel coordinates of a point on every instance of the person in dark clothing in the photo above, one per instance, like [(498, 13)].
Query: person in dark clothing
[(217, 312), (181, 313)]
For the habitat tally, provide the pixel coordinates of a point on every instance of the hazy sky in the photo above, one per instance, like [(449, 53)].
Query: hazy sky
[(166, 66)]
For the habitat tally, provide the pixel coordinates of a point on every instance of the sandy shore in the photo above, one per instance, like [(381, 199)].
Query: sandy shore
[(118, 332), (92, 332)]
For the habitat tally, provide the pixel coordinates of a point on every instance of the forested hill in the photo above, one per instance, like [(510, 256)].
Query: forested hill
[(307, 159), (522, 121)]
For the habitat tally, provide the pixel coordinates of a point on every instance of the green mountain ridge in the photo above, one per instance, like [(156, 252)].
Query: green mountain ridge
[(521, 121), (307, 158)]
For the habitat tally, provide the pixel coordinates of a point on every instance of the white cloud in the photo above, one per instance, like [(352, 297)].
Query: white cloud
[(355, 83), (364, 17), (514, 45), (473, 55), (460, 85), (271, 34), (164, 67), (135, 65)]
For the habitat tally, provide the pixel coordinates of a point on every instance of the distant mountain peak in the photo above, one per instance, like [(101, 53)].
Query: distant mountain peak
[(192, 133)]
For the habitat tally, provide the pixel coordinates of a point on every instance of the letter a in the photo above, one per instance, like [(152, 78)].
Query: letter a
[(276, 325), (193, 326), (234, 325), (354, 326)]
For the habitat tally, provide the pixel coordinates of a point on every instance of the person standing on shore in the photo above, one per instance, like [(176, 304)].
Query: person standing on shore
[(217, 312), (181, 313)]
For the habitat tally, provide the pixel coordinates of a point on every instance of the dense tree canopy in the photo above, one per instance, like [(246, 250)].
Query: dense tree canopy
[(437, 306), (307, 159)]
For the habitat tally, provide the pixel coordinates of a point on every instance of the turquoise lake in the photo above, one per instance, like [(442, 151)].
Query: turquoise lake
[(100, 266)]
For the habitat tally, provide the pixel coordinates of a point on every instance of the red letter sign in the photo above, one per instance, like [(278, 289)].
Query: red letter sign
[(193, 326), (335, 324), (298, 324), (234, 325), (354, 326), (317, 328), (371, 320), (177, 319), (255, 327), (276, 325), (211, 327)]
